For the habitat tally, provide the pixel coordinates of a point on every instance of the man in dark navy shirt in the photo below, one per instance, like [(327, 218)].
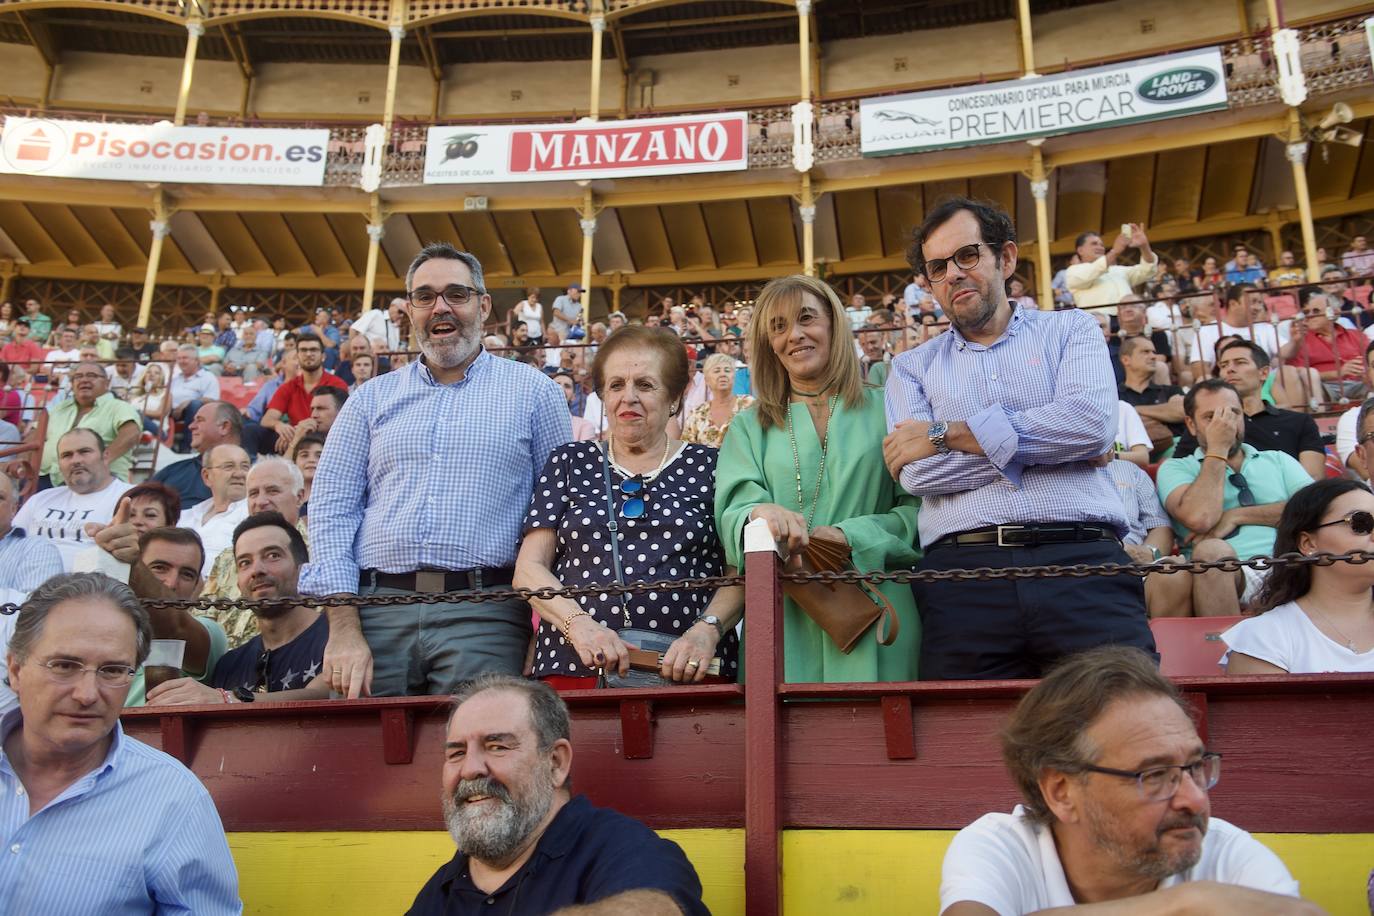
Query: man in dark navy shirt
[(525, 845), (283, 661), (216, 423)]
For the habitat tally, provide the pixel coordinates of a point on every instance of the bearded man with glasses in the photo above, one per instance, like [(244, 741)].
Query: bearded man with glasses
[(422, 489), (91, 820), (1226, 497), (1116, 817), (1000, 426)]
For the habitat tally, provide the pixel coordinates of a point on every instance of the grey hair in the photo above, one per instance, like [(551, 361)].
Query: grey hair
[(189, 348), (1366, 409), (82, 586), (548, 712), (273, 461), (445, 251)]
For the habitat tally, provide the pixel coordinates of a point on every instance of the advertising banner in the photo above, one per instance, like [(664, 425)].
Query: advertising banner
[(464, 154), (163, 152), (1125, 93)]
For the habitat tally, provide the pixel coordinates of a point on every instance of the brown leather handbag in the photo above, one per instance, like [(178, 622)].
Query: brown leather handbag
[(844, 610)]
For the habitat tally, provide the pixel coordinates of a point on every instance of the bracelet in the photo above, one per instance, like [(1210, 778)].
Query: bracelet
[(1218, 457), (228, 697), (567, 622)]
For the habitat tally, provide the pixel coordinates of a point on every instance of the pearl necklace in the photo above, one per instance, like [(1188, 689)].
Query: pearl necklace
[(627, 473)]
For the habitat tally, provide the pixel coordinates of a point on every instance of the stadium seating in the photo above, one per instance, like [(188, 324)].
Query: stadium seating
[(1190, 646)]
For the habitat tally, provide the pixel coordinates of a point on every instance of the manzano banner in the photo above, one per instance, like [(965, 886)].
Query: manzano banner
[(1125, 93)]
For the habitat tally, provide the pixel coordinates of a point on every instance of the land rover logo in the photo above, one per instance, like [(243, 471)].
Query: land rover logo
[(1177, 85)]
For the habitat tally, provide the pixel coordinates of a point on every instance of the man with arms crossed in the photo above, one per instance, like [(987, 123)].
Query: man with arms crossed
[(422, 489), (526, 845), (1116, 817), (91, 820)]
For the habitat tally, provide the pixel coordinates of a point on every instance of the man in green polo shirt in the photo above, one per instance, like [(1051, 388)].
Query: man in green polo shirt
[(93, 407), (1226, 498)]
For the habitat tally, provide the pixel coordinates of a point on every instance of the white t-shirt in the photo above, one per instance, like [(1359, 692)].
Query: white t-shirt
[(593, 412), (378, 328), (1287, 637), (1005, 862), (217, 533), (61, 515), (532, 313), (1130, 429), (1263, 334), (1346, 433)]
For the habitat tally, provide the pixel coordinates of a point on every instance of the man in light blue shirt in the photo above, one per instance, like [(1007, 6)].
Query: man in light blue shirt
[(1001, 427), (422, 488), (25, 562), (91, 820)]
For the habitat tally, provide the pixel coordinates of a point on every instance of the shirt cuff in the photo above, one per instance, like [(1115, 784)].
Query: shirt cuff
[(995, 435), (329, 578)]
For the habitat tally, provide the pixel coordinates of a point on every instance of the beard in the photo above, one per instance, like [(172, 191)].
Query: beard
[(453, 351), (1150, 861), (495, 836), (975, 320)]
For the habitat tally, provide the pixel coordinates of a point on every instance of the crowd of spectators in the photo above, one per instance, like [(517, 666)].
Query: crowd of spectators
[(1146, 418)]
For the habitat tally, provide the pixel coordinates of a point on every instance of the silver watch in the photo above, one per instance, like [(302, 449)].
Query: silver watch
[(937, 432), (713, 620)]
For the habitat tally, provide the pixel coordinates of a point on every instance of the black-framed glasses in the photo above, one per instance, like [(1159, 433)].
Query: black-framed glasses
[(966, 258), (1360, 522), (634, 506), (1161, 783), (1244, 493), (264, 660), (455, 295)]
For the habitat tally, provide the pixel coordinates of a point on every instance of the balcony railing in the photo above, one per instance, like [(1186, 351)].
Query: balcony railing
[(1335, 57)]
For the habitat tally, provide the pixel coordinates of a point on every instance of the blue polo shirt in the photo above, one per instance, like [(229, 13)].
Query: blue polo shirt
[(586, 854)]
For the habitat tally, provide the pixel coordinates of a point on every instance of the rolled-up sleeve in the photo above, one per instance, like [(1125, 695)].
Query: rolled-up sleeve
[(338, 498)]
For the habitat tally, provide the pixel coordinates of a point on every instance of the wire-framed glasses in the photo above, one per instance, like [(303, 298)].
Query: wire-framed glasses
[(1161, 783)]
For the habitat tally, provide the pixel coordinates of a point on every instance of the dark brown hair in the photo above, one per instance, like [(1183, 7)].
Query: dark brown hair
[(153, 489)]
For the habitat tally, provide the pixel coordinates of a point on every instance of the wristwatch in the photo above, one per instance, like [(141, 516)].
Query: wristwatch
[(937, 432), (713, 620), (244, 695)]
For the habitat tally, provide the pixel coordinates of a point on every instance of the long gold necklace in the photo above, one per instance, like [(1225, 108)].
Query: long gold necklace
[(796, 460)]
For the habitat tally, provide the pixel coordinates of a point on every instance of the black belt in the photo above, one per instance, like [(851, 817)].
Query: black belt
[(433, 581), (1027, 535)]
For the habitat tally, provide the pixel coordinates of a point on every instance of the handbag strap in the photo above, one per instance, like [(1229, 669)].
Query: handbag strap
[(888, 625), (614, 527)]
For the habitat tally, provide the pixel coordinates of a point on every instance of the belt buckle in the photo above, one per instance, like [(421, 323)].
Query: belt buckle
[(1003, 529), (429, 581)]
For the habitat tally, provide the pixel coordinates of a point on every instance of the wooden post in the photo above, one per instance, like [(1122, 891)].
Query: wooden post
[(216, 285), (588, 224), (598, 20), (803, 45), (194, 29), (807, 211), (393, 66), (1040, 190), (1023, 21), (160, 226), (8, 272), (376, 230), (762, 724)]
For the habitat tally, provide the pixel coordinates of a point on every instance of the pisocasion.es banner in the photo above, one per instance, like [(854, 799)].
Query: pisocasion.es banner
[(588, 149), (163, 152), (1125, 93)]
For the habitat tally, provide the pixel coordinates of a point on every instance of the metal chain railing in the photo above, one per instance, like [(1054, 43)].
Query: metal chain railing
[(1166, 566)]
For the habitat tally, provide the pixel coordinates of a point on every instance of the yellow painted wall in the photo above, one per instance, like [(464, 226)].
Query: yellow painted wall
[(23, 72), (335, 88), (92, 80), (1114, 29), (561, 86), (892, 61), (854, 872)]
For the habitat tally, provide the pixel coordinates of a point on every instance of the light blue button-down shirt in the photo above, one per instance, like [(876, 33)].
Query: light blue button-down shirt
[(25, 562), (419, 475), (1041, 401), (138, 834)]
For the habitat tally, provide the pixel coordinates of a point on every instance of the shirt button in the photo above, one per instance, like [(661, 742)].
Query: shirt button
[(15, 849), (491, 900), (18, 790)]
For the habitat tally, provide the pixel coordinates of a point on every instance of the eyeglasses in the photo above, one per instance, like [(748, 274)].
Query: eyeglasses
[(66, 671), (966, 258), (455, 295), (93, 376), (1161, 783), (1360, 522), (245, 468), (634, 506), (1246, 495)]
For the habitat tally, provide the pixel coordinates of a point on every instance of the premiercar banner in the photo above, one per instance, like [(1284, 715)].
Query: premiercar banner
[(1125, 93), (588, 149), (163, 152)]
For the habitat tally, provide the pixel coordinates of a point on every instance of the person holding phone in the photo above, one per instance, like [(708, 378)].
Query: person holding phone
[(1098, 279)]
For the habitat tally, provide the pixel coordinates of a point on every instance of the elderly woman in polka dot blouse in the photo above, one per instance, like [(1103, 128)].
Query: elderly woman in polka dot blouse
[(662, 494)]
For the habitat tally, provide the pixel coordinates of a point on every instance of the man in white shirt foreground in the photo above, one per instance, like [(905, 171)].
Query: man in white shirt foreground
[(90, 496), (1116, 818)]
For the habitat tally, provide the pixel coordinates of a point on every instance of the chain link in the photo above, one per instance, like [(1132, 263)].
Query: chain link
[(979, 574)]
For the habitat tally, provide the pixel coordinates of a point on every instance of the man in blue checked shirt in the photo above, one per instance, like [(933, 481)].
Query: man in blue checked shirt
[(93, 822), (422, 488), (25, 562), (1002, 427)]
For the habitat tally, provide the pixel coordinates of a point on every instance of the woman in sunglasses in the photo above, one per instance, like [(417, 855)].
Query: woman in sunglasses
[(808, 459), (653, 495), (1312, 619)]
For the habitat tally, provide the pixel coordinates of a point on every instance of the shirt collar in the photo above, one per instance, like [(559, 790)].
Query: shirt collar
[(559, 837), (1018, 315), (15, 531), (422, 370), (15, 717)]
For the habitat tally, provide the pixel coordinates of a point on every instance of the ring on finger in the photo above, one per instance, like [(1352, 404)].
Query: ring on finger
[(694, 664)]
